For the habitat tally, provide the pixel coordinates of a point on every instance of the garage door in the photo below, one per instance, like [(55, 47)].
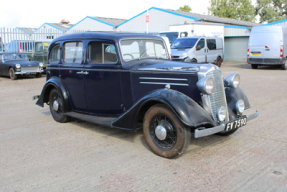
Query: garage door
[(235, 49)]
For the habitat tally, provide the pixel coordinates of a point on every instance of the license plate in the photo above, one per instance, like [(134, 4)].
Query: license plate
[(255, 54), (236, 124)]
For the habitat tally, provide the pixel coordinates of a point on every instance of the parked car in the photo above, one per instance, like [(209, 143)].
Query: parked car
[(16, 64), (198, 50), (127, 81), (266, 46)]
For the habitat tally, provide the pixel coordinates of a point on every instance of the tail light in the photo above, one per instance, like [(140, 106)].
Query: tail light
[(248, 52), (281, 50)]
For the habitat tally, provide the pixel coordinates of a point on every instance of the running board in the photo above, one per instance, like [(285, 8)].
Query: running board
[(105, 121)]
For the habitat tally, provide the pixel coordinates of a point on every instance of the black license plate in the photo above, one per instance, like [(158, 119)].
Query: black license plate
[(236, 124)]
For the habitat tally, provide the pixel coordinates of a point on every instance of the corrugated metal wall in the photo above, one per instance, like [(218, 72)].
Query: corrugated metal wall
[(235, 49), (231, 31)]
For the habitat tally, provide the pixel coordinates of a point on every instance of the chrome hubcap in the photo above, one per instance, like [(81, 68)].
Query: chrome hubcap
[(160, 132), (56, 105)]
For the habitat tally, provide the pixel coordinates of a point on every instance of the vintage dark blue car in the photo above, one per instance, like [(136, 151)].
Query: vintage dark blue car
[(15, 64), (127, 81)]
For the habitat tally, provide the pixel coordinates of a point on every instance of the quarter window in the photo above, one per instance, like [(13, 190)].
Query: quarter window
[(102, 53), (73, 52), (211, 44), (55, 54)]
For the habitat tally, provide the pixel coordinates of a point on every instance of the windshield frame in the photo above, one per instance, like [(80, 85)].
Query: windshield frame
[(142, 58)]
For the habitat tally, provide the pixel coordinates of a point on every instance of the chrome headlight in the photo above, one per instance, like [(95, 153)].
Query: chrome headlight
[(18, 66), (232, 80), (41, 64), (240, 106), (184, 55), (206, 85), (221, 114)]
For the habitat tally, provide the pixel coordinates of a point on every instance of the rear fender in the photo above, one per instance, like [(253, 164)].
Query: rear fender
[(54, 82), (186, 109)]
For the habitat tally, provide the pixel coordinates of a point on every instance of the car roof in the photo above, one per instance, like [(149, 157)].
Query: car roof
[(105, 35)]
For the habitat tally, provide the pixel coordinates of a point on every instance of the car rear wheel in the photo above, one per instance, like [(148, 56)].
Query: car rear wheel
[(165, 134), (254, 66), (218, 62), (57, 106), (284, 66), (12, 74)]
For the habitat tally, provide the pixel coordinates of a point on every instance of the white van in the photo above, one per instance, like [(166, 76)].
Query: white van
[(199, 49), (266, 46)]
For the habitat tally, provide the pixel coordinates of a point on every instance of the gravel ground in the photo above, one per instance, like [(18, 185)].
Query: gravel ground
[(39, 154)]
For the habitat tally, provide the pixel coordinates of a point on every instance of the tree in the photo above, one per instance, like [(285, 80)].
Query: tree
[(233, 9), (271, 10), (185, 8)]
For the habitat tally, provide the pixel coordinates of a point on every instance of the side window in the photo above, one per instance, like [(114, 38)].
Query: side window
[(102, 53), (211, 44), (55, 54), (73, 52), (200, 44)]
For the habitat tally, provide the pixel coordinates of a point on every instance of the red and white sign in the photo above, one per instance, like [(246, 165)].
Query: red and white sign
[(147, 18)]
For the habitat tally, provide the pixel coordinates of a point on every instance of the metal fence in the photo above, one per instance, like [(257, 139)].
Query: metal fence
[(19, 40)]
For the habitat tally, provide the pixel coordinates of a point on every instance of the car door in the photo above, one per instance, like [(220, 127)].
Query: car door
[(71, 73), (103, 79), (200, 52)]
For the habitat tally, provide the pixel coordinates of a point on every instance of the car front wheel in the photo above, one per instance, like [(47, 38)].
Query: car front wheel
[(12, 74), (165, 134), (57, 106)]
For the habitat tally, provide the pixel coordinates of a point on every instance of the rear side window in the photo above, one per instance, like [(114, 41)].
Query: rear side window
[(102, 53), (73, 52), (55, 54), (211, 44)]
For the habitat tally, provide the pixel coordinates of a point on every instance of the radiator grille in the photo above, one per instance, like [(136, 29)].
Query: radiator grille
[(29, 69), (217, 97)]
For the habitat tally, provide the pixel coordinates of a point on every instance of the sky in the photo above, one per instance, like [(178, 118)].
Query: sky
[(34, 13)]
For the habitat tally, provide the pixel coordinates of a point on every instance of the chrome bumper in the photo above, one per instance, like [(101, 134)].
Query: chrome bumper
[(210, 131), (29, 72)]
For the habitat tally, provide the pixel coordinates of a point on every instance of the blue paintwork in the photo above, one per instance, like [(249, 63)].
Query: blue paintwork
[(123, 89)]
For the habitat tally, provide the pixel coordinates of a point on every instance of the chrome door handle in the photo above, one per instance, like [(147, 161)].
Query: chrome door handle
[(81, 72), (86, 73)]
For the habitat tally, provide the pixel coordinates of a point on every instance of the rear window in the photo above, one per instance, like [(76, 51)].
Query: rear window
[(264, 38), (184, 43)]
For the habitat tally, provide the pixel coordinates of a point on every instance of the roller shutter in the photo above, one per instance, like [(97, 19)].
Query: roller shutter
[(235, 49)]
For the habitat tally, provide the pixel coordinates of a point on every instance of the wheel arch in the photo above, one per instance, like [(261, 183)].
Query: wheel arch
[(186, 109), (56, 83)]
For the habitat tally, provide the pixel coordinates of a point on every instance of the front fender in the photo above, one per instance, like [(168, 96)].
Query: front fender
[(186, 109), (232, 96), (54, 82)]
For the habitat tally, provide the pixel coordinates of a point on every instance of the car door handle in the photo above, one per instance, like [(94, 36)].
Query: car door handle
[(86, 73), (81, 72)]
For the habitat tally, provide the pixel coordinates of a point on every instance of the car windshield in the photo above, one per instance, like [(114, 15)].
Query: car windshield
[(172, 36), (11, 57), (184, 43), (136, 49)]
